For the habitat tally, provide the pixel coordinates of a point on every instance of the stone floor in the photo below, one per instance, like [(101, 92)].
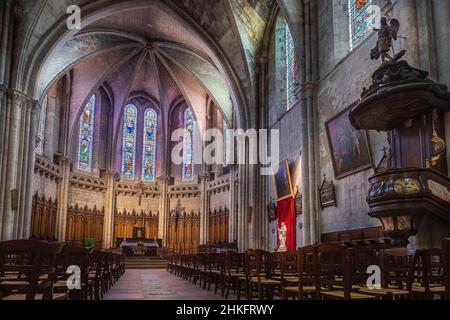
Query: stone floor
[(156, 285)]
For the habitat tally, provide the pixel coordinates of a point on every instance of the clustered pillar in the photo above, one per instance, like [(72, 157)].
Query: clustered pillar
[(204, 208), (110, 209)]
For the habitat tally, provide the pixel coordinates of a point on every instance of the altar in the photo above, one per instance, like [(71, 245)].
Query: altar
[(138, 247)]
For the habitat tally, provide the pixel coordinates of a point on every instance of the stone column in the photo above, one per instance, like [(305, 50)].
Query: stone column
[(27, 156), (204, 207), (305, 169), (163, 184), (232, 235), (3, 104), (5, 32), (10, 188), (262, 235), (441, 18), (406, 11), (310, 157), (63, 198), (110, 209), (243, 209)]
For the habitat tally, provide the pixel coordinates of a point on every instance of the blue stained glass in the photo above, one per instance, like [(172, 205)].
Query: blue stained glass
[(129, 142), (290, 68), (42, 126), (86, 138), (189, 125), (149, 153), (359, 21)]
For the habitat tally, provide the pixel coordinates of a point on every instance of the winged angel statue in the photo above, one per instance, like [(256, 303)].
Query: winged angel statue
[(386, 34)]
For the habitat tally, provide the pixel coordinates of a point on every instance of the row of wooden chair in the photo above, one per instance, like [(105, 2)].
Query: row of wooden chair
[(323, 271), (39, 270)]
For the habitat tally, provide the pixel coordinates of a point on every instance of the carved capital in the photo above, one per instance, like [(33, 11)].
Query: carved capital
[(108, 173), (203, 177), (306, 86), (64, 160), (167, 180), (21, 100)]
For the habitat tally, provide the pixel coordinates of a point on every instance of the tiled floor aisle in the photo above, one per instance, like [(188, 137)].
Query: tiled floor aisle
[(156, 285)]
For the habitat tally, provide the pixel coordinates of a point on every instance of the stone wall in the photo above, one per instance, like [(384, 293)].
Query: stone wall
[(220, 200), (288, 122), (84, 197), (185, 204), (335, 93), (43, 185), (129, 203)]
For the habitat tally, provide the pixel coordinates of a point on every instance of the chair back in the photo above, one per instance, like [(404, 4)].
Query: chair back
[(252, 264), (361, 258), (334, 267), (286, 263), (96, 262), (307, 266), (234, 263), (75, 256), (446, 259), (397, 268), (25, 261), (290, 263)]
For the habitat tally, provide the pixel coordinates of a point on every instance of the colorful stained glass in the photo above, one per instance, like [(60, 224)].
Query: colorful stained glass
[(42, 127), (359, 21), (290, 68), (129, 142), (86, 138), (189, 125), (149, 142)]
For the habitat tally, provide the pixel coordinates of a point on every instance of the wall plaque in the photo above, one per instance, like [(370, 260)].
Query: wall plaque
[(272, 210), (327, 194), (298, 203)]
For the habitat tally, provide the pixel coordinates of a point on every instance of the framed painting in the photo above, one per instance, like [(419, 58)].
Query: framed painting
[(282, 181), (350, 151)]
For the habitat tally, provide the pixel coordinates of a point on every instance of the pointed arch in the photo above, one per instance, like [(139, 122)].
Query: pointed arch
[(129, 142), (149, 145), (86, 137)]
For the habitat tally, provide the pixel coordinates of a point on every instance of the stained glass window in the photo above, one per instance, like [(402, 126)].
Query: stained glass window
[(290, 68), (359, 21), (188, 166), (42, 126), (149, 153), (129, 142), (86, 139)]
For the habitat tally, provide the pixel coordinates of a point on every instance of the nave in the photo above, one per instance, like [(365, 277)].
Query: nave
[(226, 149), (157, 285), (37, 270)]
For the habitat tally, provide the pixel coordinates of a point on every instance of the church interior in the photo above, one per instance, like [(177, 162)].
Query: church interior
[(128, 149)]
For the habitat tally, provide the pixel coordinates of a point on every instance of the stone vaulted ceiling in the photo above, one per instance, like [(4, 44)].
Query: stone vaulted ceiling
[(115, 32)]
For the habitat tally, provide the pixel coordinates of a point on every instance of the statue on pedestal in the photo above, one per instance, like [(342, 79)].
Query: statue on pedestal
[(282, 235), (386, 34)]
